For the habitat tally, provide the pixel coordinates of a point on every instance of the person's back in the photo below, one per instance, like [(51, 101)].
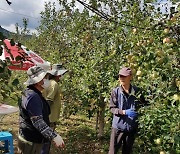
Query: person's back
[(34, 123), (52, 94), (33, 101)]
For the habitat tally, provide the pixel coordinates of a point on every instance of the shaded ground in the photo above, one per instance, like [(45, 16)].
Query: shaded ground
[(10, 123), (77, 131)]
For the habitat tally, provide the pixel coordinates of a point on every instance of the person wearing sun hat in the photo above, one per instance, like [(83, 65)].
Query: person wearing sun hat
[(34, 113), (124, 105), (53, 96)]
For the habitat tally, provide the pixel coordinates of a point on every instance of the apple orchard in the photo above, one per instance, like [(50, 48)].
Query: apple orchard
[(93, 45)]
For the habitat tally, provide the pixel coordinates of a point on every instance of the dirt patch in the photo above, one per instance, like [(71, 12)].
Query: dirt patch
[(10, 123), (77, 132)]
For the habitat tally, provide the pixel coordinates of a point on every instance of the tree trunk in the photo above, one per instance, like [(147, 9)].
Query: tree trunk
[(97, 120), (101, 118)]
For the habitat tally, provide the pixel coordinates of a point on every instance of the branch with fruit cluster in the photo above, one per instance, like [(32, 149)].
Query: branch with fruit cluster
[(111, 19)]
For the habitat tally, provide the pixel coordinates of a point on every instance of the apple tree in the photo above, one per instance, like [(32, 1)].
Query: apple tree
[(94, 42)]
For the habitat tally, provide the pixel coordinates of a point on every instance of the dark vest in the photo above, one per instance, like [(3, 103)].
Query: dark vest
[(122, 122), (27, 130)]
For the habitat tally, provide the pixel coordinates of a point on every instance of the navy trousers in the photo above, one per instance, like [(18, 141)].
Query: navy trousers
[(118, 139)]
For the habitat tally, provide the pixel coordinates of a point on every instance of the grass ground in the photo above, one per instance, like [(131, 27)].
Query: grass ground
[(77, 131)]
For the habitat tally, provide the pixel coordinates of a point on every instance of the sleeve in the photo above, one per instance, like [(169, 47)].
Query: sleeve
[(34, 106), (52, 91), (114, 104), (43, 128)]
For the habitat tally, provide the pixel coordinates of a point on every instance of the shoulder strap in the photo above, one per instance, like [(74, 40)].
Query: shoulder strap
[(136, 89), (118, 97), (116, 92)]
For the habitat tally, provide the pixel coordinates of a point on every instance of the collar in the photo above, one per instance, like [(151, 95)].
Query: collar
[(34, 89), (132, 91)]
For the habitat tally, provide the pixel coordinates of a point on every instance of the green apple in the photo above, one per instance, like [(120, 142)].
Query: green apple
[(129, 57), (138, 44), (166, 40), (158, 141), (134, 30), (154, 75), (162, 152), (166, 30), (174, 40), (176, 97), (173, 19), (159, 53), (151, 40), (139, 78), (178, 83), (138, 73)]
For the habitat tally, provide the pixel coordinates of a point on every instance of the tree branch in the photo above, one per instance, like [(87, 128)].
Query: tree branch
[(105, 16)]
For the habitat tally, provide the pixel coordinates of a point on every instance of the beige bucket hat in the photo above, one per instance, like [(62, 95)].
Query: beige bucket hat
[(35, 75), (57, 70)]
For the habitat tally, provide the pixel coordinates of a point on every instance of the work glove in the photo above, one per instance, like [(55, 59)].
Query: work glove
[(131, 113), (58, 141)]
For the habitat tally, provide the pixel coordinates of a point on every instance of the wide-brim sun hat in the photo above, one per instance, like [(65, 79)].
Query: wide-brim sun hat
[(35, 75), (57, 70)]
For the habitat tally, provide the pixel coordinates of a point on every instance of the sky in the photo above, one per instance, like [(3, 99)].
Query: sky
[(19, 9)]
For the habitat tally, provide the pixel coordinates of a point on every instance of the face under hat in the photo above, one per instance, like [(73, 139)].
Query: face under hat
[(35, 75)]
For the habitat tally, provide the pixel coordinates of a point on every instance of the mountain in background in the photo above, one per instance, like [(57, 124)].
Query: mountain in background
[(5, 32), (8, 34)]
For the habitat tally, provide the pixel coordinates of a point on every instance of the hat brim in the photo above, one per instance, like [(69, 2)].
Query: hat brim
[(57, 73), (35, 80), (124, 74)]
